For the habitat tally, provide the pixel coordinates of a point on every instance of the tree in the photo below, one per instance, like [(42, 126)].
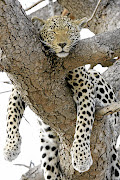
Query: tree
[(41, 79)]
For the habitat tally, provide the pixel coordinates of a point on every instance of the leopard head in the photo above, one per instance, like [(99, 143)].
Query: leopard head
[(60, 33)]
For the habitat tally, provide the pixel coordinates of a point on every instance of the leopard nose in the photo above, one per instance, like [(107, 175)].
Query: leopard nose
[(62, 45)]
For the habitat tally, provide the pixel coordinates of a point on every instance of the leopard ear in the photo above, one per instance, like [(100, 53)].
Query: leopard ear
[(81, 22), (38, 23), (38, 19)]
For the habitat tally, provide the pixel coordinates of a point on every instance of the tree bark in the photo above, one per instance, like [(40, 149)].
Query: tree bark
[(107, 17), (41, 80)]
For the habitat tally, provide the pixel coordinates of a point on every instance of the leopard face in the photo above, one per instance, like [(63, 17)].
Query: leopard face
[(60, 34)]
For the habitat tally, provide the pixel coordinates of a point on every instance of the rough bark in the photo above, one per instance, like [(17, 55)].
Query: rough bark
[(114, 78), (41, 80), (107, 17)]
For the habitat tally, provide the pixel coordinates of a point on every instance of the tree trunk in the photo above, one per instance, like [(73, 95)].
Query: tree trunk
[(41, 80)]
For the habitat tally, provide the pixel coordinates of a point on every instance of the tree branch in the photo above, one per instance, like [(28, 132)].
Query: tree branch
[(99, 49), (23, 165), (105, 19), (84, 8), (35, 4), (34, 173), (112, 108)]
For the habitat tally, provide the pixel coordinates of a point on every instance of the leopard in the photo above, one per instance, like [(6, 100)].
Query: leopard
[(60, 34)]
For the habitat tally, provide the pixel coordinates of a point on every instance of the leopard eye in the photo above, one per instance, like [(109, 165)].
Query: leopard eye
[(51, 33)]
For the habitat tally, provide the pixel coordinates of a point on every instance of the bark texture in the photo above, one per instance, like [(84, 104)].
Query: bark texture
[(41, 79), (107, 17)]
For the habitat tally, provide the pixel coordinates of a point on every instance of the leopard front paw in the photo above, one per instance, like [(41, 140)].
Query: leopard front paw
[(81, 156)]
